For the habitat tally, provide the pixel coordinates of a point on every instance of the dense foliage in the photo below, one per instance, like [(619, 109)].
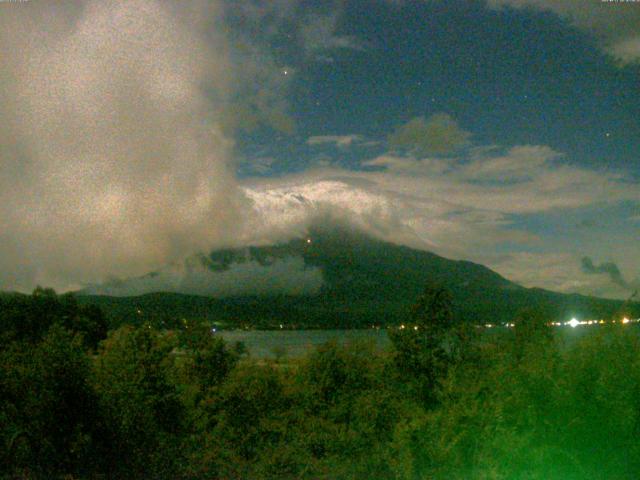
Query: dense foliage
[(446, 402)]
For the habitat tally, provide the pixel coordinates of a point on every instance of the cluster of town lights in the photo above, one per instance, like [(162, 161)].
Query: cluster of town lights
[(403, 326), (573, 323)]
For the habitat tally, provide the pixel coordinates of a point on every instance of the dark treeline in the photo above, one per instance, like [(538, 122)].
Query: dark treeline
[(78, 402)]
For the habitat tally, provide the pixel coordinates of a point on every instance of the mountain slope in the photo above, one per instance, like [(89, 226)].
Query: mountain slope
[(364, 282)]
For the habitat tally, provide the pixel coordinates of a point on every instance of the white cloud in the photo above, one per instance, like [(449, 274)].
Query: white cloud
[(399, 164), (259, 94), (337, 140), (319, 36), (523, 180), (257, 166), (285, 208), (559, 272), (115, 138), (519, 164), (289, 276), (457, 208), (440, 134), (627, 50)]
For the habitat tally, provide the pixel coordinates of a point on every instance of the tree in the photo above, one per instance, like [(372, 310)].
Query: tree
[(139, 404), (210, 358), (30, 317), (426, 344), (532, 330), (48, 409), (240, 419)]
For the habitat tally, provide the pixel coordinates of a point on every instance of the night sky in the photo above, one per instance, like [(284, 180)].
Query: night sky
[(505, 132)]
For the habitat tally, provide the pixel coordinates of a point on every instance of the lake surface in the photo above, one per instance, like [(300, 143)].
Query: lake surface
[(297, 343)]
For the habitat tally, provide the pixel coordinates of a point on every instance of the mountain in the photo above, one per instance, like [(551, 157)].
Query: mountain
[(360, 281)]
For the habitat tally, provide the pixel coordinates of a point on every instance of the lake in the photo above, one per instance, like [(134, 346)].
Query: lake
[(297, 343)]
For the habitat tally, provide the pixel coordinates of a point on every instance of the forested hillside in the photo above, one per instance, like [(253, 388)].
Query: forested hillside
[(365, 282)]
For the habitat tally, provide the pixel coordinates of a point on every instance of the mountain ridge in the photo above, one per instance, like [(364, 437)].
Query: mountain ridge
[(365, 282)]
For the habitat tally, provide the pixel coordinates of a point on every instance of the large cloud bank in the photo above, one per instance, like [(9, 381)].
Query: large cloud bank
[(113, 159), (288, 276), (469, 207)]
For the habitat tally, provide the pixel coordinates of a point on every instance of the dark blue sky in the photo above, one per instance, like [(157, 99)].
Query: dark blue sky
[(508, 76)]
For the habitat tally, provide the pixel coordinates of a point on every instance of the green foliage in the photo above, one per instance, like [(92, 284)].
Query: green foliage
[(140, 406), (569, 413), (507, 405), (30, 317), (210, 359), (425, 346), (242, 422), (329, 416), (353, 401), (434, 310), (532, 330), (47, 413)]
